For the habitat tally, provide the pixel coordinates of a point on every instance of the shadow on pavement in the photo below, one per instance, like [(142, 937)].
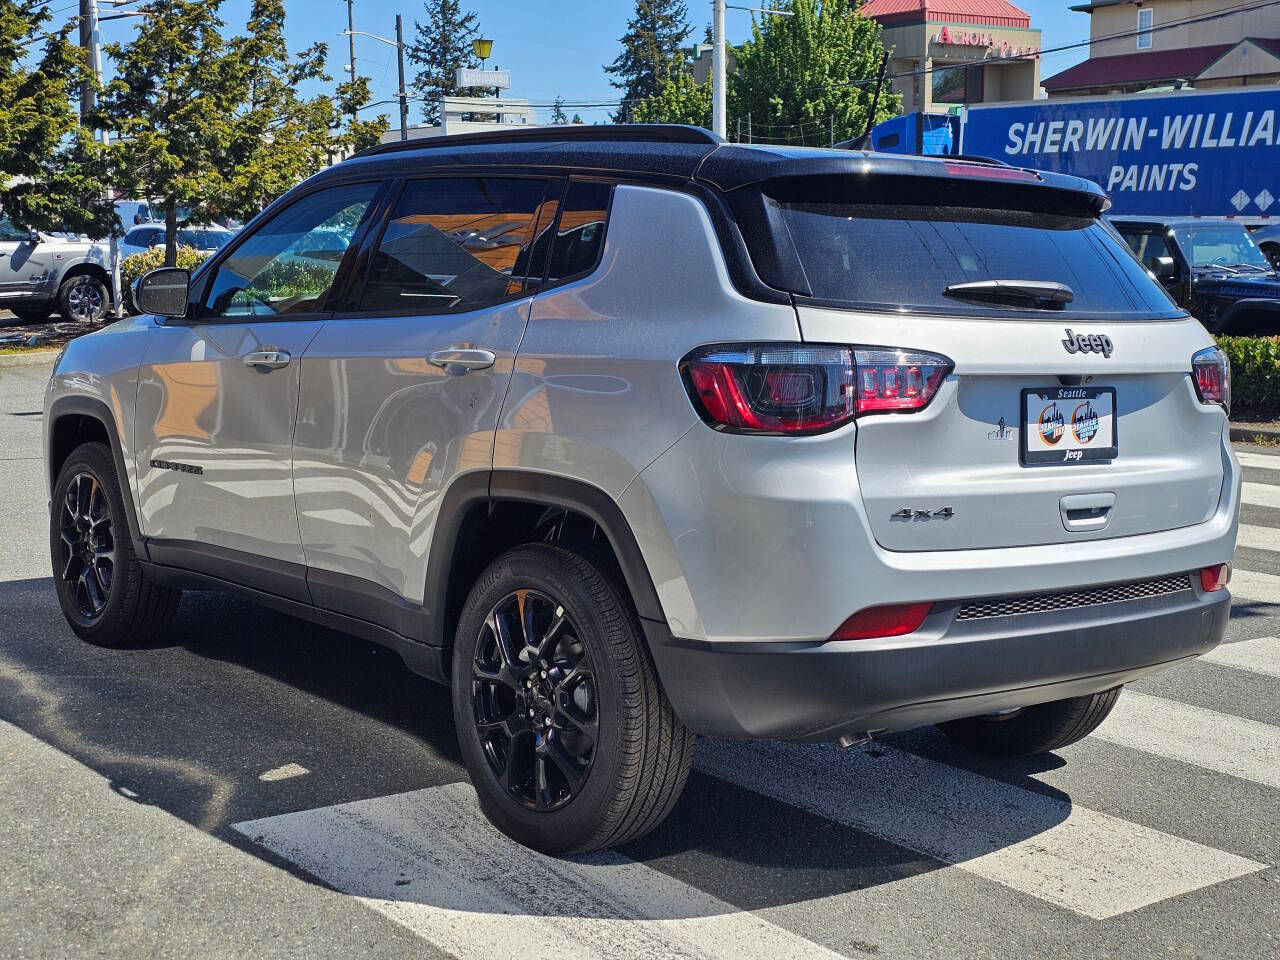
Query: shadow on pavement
[(190, 726)]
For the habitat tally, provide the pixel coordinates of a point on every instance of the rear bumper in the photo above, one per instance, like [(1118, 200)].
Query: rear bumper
[(948, 669)]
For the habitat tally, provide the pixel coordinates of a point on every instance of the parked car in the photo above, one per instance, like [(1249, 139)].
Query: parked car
[(41, 273), (1212, 267), (628, 434), (1268, 240), (148, 235), (134, 212)]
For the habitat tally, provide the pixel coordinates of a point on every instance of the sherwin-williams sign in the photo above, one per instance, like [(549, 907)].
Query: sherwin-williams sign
[(1207, 154)]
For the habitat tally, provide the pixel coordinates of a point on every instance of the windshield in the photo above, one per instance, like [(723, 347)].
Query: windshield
[(204, 239), (906, 257), (1220, 245)]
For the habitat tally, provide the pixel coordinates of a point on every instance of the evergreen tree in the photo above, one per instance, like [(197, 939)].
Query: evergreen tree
[(51, 172), (558, 116), (577, 118), (442, 45), (654, 39), (798, 76)]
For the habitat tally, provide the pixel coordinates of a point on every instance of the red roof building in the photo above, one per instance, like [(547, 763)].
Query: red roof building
[(947, 53), (1151, 44)]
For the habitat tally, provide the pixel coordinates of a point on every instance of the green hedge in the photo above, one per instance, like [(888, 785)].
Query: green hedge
[(131, 268), (1255, 374)]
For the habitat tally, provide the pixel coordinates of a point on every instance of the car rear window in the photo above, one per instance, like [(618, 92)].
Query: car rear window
[(896, 256)]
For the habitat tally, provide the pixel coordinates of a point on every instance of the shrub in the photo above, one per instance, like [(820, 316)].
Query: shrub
[(1255, 374), (131, 268)]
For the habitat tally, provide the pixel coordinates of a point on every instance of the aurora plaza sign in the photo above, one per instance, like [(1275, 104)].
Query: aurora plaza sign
[(993, 45)]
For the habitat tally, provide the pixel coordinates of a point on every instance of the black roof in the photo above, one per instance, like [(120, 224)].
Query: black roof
[(676, 152)]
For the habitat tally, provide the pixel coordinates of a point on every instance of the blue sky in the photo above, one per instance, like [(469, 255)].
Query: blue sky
[(552, 47)]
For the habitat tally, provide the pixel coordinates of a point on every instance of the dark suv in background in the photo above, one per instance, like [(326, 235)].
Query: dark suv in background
[(1212, 267)]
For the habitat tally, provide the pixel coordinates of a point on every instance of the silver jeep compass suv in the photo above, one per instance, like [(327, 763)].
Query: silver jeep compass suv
[(629, 434)]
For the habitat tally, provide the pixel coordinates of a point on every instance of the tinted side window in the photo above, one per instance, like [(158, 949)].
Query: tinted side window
[(10, 233), (454, 244), (134, 238), (288, 264), (1148, 248), (580, 233)]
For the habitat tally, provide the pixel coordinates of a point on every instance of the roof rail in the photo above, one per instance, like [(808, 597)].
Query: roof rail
[(560, 133)]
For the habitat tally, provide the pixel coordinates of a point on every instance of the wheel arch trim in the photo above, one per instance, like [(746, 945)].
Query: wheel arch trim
[(94, 409), (526, 486)]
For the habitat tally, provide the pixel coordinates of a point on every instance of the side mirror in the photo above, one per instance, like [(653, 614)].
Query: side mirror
[(163, 292), (1166, 270), (33, 236)]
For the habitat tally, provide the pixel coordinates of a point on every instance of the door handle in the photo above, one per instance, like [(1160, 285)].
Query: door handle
[(465, 357), (267, 359)]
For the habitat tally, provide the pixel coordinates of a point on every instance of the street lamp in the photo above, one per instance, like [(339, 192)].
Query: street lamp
[(483, 49), (398, 43)]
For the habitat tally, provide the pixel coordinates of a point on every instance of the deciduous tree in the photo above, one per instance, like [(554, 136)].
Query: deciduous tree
[(802, 75)]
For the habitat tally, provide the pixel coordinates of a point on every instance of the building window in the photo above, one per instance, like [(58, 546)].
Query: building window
[(1146, 19)]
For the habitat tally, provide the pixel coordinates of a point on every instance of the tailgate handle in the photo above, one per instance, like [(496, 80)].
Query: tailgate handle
[(1087, 511)]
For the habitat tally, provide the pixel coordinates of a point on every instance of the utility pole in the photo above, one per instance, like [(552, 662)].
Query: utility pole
[(91, 42), (351, 36), (717, 68), (404, 94)]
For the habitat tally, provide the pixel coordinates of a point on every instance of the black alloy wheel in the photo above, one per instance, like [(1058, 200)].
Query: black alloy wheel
[(534, 700), (102, 589), (88, 558)]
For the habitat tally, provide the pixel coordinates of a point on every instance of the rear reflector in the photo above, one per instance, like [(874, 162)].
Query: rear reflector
[(890, 620), (1215, 578)]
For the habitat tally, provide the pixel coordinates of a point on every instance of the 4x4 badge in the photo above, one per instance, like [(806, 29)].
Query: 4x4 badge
[(1088, 343)]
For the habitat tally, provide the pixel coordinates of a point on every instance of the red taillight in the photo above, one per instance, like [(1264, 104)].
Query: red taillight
[(890, 620), (992, 172), (1211, 371), (797, 389), (1215, 578), (897, 380)]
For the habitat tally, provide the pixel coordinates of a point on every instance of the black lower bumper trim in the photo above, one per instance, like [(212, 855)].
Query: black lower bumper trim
[(821, 690)]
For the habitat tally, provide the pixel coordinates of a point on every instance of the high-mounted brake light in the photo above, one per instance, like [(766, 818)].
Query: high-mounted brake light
[(791, 389), (992, 172), (1211, 372), (890, 620)]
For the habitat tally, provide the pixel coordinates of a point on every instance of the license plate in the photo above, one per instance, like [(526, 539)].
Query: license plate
[(1068, 425)]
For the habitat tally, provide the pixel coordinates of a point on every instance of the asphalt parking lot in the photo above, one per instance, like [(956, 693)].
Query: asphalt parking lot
[(256, 786)]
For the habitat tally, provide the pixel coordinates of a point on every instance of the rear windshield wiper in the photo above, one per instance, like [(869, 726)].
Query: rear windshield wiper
[(1048, 294)]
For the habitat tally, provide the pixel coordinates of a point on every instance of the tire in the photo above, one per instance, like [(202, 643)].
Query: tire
[(1038, 729), (83, 299), (107, 600), (620, 784), (31, 314)]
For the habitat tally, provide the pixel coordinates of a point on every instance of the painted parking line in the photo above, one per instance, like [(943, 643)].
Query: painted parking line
[(1085, 861), (430, 861), (1260, 655), (1261, 494), (1206, 738), (1262, 461)]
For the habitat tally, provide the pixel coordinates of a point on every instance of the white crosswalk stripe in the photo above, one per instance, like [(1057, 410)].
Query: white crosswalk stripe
[(1259, 538), (1216, 741), (1094, 864), (431, 862), (1260, 655), (1250, 586), (1260, 494), (1262, 461)]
